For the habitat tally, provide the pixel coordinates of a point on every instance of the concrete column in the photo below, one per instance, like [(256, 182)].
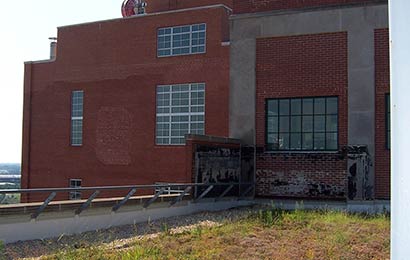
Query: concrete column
[(361, 82), (400, 115)]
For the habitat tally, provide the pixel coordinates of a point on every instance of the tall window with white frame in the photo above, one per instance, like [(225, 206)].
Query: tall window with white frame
[(77, 101), (181, 40), (180, 110)]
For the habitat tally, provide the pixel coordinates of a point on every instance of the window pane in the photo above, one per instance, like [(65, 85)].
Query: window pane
[(307, 106), (284, 124), (307, 141), (272, 141), (163, 89), (296, 124), (177, 140), (273, 108), (319, 122), (296, 141), (331, 141), (331, 105), (331, 123), (273, 124), (284, 141), (307, 123), (296, 106), (320, 106), (284, 107), (319, 142)]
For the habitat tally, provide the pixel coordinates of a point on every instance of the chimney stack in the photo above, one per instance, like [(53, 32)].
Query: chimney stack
[(53, 48)]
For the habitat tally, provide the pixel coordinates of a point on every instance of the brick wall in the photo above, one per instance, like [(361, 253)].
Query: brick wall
[(117, 67), (253, 6), (166, 5), (382, 160), (301, 66)]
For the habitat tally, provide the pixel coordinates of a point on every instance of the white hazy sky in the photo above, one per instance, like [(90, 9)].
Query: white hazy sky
[(25, 26)]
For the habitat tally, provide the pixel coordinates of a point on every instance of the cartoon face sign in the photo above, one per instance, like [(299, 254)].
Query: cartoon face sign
[(129, 7)]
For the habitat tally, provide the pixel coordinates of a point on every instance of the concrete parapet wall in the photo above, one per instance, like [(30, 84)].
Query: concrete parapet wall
[(19, 227)]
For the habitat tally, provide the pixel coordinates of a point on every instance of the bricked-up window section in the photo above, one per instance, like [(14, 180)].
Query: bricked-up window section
[(77, 99), (388, 124), (75, 183), (305, 124), (181, 40), (180, 110)]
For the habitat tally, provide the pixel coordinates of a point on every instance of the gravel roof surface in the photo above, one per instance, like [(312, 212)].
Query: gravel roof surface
[(122, 236)]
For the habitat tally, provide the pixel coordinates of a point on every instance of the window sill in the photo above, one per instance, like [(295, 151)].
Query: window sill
[(169, 145), (177, 55)]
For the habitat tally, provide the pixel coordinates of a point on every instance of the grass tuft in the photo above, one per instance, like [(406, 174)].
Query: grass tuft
[(2, 251)]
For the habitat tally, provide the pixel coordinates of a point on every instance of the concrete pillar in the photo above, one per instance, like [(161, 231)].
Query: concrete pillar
[(400, 112)]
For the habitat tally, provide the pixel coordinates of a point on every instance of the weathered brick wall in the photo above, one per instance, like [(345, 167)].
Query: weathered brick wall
[(254, 6), (382, 160), (301, 66), (116, 65), (301, 175)]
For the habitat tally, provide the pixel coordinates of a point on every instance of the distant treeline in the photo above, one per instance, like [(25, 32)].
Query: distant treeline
[(10, 168)]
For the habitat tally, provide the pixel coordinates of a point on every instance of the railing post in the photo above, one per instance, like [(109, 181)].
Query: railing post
[(250, 188), (224, 193), (153, 199), (181, 196), (45, 204), (87, 203), (204, 193), (124, 200)]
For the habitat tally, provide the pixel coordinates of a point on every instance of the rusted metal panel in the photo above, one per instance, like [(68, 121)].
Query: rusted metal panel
[(360, 186)]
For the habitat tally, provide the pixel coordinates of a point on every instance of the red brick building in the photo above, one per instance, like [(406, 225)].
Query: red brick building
[(303, 82), (119, 71)]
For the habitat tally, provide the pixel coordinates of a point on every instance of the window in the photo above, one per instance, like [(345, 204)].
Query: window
[(75, 183), (309, 124), (180, 110), (77, 118), (388, 124), (181, 40)]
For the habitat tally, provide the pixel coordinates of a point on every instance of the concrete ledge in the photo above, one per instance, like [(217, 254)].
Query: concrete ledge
[(212, 139), (368, 207), (53, 224)]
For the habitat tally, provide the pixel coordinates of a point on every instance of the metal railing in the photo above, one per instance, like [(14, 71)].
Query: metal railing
[(159, 190)]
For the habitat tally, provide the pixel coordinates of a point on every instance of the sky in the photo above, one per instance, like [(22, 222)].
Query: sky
[(25, 27)]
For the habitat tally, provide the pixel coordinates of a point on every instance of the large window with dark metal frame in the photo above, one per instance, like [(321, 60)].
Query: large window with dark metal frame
[(302, 124), (388, 122), (77, 99), (180, 110), (181, 40)]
